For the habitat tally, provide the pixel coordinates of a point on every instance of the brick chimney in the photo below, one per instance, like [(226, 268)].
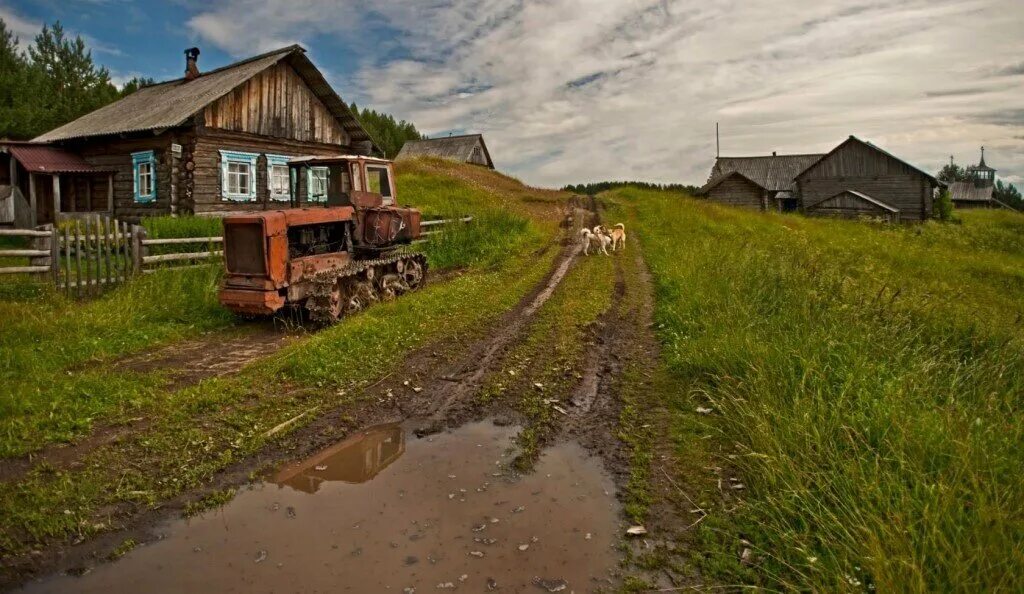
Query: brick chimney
[(191, 70)]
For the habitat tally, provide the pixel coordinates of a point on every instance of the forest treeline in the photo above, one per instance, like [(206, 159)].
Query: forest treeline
[(594, 188)]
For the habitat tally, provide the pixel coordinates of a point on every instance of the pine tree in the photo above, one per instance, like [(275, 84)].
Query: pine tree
[(18, 89), (72, 84), (389, 134)]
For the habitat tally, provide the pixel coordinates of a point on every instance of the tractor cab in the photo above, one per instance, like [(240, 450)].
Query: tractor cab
[(342, 180)]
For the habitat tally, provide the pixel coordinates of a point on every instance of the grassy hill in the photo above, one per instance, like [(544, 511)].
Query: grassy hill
[(865, 387)]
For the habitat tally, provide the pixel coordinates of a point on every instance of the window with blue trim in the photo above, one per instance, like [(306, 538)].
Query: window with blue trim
[(278, 178), (238, 175), (144, 176), (316, 184)]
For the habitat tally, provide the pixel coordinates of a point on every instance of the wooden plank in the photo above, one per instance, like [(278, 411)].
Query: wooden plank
[(67, 259), (177, 240), (98, 249), (56, 198), (24, 253), (110, 193), (78, 257), (181, 256), (32, 200), (23, 233), (55, 254), (24, 269), (137, 249), (178, 267), (107, 250)]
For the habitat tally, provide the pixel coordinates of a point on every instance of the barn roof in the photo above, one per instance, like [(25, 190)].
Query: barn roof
[(966, 191), (853, 138), (459, 148), (172, 103), (773, 172)]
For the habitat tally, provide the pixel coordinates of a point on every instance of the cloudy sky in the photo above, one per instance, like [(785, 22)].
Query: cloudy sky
[(578, 90)]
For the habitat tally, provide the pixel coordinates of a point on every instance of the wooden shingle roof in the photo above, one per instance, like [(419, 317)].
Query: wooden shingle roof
[(774, 173), (966, 191), (173, 103), (457, 148)]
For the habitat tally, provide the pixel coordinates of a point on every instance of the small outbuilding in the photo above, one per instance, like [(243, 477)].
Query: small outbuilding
[(763, 183), (468, 148)]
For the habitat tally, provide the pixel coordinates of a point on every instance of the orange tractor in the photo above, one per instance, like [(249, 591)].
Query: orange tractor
[(345, 249)]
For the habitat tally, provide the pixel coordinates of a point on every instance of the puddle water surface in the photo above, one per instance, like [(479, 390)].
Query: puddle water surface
[(385, 512)]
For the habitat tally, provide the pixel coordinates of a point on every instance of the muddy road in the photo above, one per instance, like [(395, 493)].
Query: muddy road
[(422, 486)]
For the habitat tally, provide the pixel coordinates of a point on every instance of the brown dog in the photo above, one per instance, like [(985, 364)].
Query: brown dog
[(618, 237)]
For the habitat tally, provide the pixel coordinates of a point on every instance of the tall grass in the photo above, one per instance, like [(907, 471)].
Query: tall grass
[(50, 393), (867, 385)]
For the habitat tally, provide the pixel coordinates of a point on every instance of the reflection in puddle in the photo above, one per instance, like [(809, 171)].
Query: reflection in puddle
[(355, 460), (381, 512)]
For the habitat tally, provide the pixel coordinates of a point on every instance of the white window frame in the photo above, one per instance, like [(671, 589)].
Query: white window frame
[(279, 161), (139, 160), (389, 198), (310, 174), (238, 158)]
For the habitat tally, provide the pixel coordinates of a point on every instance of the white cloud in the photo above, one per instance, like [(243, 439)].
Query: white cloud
[(573, 90)]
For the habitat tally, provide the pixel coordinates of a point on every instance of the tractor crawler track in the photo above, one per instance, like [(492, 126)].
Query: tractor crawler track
[(320, 303)]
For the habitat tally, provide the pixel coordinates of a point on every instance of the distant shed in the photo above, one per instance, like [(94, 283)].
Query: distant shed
[(764, 182), (468, 148)]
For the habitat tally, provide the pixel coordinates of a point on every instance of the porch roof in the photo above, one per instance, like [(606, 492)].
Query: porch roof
[(38, 158)]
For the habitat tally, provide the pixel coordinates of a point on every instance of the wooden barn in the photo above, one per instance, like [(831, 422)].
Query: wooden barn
[(977, 191), (858, 179), (469, 148), (210, 142), (764, 183)]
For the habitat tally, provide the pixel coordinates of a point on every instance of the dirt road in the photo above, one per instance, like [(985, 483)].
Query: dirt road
[(430, 476)]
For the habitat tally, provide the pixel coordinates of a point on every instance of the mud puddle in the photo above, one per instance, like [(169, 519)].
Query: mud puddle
[(384, 511)]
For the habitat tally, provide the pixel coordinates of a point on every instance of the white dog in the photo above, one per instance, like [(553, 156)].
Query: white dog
[(595, 237)]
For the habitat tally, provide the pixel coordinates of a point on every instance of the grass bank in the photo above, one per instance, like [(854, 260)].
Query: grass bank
[(865, 391), (56, 353)]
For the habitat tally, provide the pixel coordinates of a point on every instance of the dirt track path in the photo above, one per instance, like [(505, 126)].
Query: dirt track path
[(436, 390)]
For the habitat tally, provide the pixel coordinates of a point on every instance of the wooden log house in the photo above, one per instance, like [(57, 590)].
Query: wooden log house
[(206, 143), (854, 180), (468, 148)]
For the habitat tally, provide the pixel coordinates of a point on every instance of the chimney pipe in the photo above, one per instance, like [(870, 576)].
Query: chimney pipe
[(191, 70), (774, 154)]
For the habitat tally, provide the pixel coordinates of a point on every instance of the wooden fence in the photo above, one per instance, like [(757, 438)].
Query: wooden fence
[(84, 255)]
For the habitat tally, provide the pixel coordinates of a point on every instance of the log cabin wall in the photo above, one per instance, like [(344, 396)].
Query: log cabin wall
[(737, 191), (116, 154), (207, 194), (855, 166), (276, 103)]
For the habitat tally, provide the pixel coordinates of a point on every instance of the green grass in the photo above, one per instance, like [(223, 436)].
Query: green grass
[(57, 359), (866, 383), (51, 347), (55, 352)]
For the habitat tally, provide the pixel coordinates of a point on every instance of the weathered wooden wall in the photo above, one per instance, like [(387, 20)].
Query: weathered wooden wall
[(477, 156), (848, 206), (116, 154), (737, 191), (276, 103), (207, 195), (857, 167)]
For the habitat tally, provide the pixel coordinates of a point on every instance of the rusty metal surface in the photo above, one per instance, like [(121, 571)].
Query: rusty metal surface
[(251, 302)]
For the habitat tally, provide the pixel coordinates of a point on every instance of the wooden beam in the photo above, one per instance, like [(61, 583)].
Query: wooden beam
[(56, 197), (110, 193), (32, 200), (88, 193)]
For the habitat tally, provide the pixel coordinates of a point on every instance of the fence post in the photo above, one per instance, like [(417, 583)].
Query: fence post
[(55, 255), (40, 243), (138, 234)]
